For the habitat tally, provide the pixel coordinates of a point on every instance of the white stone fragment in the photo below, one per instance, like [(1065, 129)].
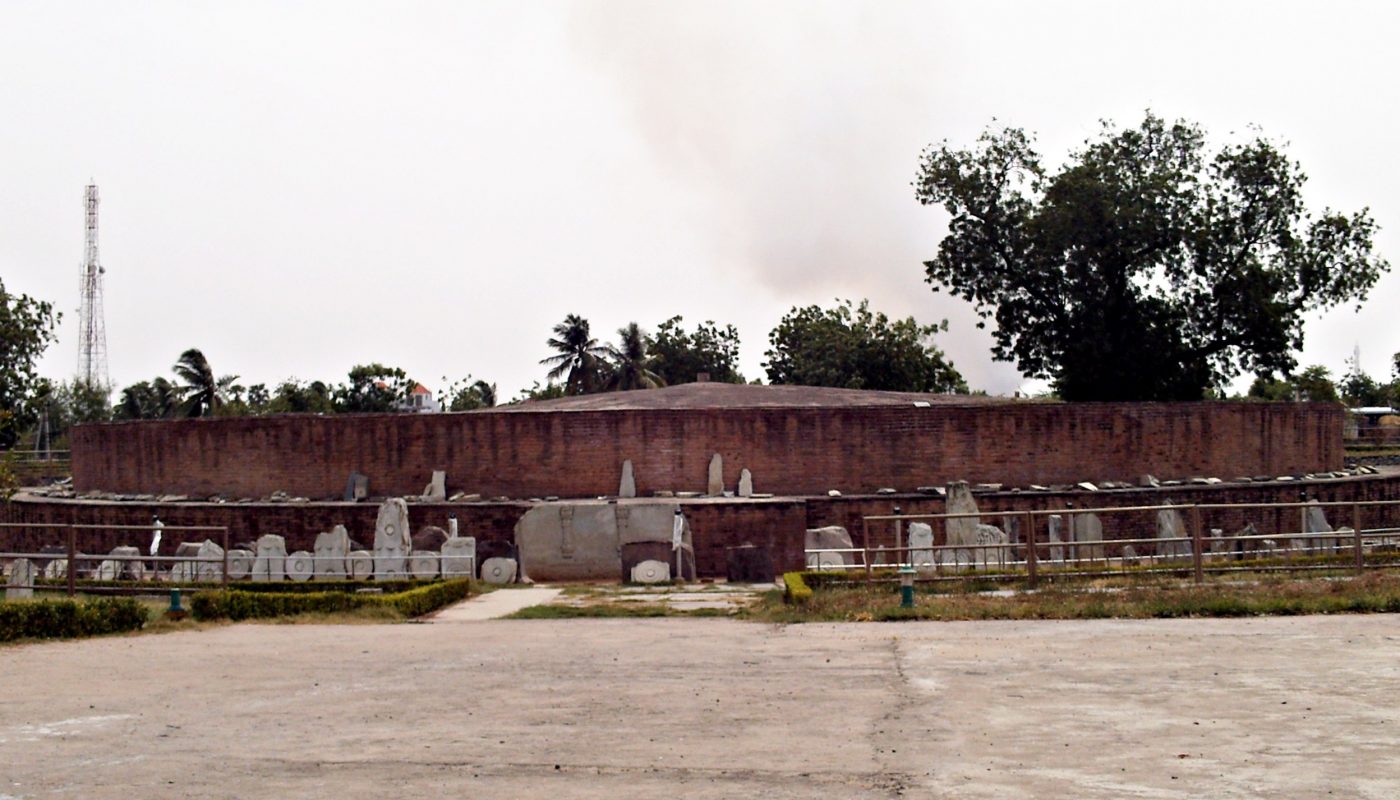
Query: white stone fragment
[(627, 487), (271, 561), (423, 566), (499, 571), (651, 571), (459, 557), (715, 485), (300, 566)]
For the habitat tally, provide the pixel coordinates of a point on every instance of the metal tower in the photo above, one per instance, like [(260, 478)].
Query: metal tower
[(92, 338)]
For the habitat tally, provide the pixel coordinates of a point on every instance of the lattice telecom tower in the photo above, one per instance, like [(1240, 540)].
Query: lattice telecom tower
[(92, 339)]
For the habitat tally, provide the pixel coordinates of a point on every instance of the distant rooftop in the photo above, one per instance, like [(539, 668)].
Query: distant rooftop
[(738, 395)]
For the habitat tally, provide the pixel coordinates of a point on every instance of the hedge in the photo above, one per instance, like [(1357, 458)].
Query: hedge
[(67, 619), (243, 585), (795, 589), (239, 604)]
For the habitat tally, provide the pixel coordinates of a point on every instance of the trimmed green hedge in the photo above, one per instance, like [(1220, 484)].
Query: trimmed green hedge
[(795, 589), (67, 619), (282, 587), (239, 604)]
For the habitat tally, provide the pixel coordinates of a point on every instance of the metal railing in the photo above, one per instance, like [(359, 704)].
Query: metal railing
[(1030, 553), (132, 567)]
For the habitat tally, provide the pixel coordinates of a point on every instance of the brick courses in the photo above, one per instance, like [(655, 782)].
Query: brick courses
[(566, 450)]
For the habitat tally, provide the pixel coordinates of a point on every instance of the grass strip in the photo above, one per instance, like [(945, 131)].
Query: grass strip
[(1372, 593)]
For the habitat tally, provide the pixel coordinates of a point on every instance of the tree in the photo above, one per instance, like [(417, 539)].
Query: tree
[(678, 356), (373, 388), (578, 355), (26, 329), (297, 397), (464, 396), (1359, 389), (630, 365), (154, 399), (1146, 268), (1313, 385), (852, 347), (550, 391), (203, 393)]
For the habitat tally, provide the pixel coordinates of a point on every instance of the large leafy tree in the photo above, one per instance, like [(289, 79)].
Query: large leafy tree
[(26, 329), (679, 356), (1146, 268), (629, 364), (577, 356), (372, 388), (852, 347)]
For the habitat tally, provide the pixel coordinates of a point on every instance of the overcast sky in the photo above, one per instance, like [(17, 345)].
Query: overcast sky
[(296, 188)]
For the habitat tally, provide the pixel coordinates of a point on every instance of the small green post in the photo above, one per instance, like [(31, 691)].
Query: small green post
[(906, 587), (176, 611)]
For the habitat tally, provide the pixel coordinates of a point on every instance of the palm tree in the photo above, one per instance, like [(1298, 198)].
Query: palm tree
[(630, 362), (486, 393), (205, 393), (579, 355)]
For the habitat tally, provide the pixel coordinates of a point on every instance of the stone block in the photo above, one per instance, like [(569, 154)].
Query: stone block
[(359, 564), (745, 483), (651, 571), (423, 565), (436, 490), (459, 557), (300, 566), (714, 486), (19, 584), (240, 564), (330, 550), (356, 488), (391, 540), (627, 487), (921, 553), (499, 571), (830, 537), (270, 563)]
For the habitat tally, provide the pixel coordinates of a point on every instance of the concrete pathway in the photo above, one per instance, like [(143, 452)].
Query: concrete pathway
[(494, 605)]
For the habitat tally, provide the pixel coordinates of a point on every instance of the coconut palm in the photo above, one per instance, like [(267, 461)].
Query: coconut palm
[(486, 393), (631, 366), (579, 356), (204, 393)]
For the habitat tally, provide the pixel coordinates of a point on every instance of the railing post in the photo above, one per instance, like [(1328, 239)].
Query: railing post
[(72, 561), (1356, 537), (1196, 541), (898, 539), (865, 543), (223, 574), (1030, 549)]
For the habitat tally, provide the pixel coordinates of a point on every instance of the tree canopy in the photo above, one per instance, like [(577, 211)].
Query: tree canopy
[(852, 347), (26, 329), (679, 356), (579, 359), (1147, 268)]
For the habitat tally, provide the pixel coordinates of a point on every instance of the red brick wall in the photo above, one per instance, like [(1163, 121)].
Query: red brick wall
[(797, 451)]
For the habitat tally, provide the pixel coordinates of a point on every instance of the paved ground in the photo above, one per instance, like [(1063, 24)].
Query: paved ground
[(711, 708), (494, 605)]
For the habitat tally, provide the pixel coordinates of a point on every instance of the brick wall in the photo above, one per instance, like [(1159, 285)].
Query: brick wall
[(793, 451)]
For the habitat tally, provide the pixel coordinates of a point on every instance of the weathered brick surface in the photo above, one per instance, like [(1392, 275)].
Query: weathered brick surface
[(791, 451)]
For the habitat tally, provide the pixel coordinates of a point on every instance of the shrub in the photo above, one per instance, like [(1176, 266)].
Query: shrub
[(67, 619), (241, 604), (795, 589)]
